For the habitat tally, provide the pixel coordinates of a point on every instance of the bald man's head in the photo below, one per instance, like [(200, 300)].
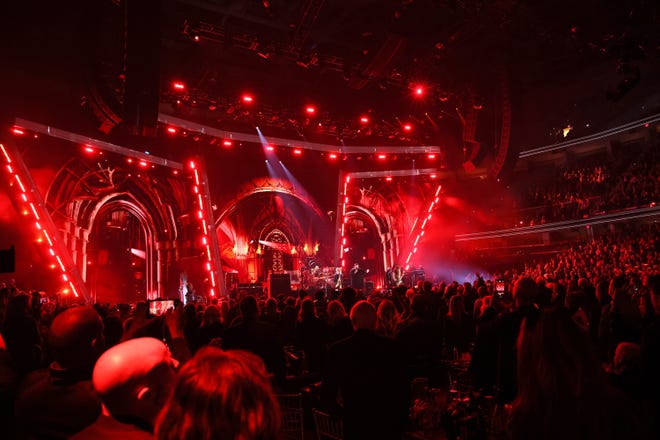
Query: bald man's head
[(363, 316), (133, 379), (76, 337)]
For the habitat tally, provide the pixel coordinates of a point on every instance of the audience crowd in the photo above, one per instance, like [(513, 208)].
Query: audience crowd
[(598, 185)]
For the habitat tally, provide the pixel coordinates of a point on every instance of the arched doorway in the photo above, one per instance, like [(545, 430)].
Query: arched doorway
[(120, 257)]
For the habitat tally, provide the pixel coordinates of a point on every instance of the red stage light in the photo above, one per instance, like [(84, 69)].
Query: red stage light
[(297, 151), (364, 119), (433, 176), (227, 143), (310, 109), (171, 130), (419, 90), (431, 156), (388, 178), (382, 156), (407, 127), (332, 156), (196, 38), (270, 148), (177, 85), (89, 149), (248, 99), (18, 131), (143, 164)]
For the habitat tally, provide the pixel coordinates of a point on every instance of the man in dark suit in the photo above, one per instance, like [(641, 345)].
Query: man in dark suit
[(59, 401), (357, 277), (258, 337), (368, 371)]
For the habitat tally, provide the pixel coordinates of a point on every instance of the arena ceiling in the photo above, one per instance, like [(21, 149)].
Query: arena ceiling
[(590, 64)]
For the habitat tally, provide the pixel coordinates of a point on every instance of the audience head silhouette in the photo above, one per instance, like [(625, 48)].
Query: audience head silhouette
[(133, 379), (220, 394), (363, 316), (76, 338)]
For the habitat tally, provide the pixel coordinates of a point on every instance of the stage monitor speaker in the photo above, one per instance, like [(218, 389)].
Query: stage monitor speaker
[(279, 283)]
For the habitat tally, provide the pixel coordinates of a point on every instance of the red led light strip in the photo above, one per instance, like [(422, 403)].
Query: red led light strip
[(208, 238), (426, 218), (31, 204)]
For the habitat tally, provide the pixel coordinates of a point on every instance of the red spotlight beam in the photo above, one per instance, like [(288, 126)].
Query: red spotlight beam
[(70, 273)]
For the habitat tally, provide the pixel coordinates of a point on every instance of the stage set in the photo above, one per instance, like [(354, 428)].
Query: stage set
[(222, 212)]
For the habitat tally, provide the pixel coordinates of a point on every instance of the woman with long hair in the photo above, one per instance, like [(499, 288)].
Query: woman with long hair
[(562, 391), (387, 322), (339, 324), (220, 395)]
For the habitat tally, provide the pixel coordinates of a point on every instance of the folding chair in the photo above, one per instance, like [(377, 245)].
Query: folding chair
[(327, 427), (291, 416)]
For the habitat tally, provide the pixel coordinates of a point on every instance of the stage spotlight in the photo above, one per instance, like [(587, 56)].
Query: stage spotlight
[(270, 148), (247, 99), (388, 179), (196, 38), (18, 131), (364, 119), (171, 130), (418, 90), (433, 176), (310, 110), (407, 127), (89, 149), (178, 86), (297, 151), (227, 143), (381, 156), (332, 156), (431, 156)]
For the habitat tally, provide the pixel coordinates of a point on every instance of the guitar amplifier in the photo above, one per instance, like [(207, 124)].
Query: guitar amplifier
[(279, 283)]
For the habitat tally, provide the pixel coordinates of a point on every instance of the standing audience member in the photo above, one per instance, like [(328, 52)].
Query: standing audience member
[(388, 319), (21, 334), (562, 391), (59, 401), (133, 380), (650, 352), (339, 324), (257, 337), (369, 372), (311, 336), (220, 395)]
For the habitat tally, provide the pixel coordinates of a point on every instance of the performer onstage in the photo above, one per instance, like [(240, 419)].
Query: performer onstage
[(397, 276), (337, 278), (357, 277)]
